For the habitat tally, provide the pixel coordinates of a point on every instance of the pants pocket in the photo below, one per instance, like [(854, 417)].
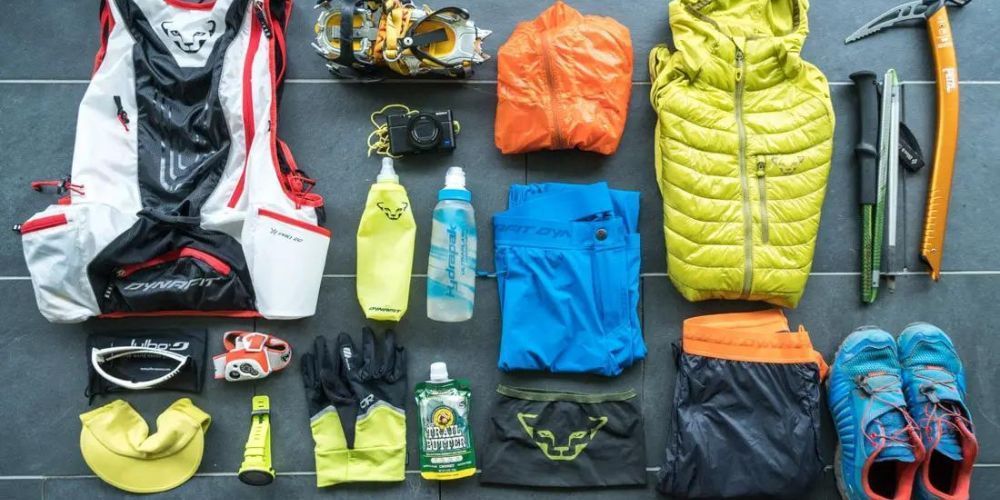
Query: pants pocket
[(286, 256), (58, 245)]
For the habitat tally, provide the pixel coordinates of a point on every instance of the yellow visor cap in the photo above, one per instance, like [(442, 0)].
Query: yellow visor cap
[(116, 444)]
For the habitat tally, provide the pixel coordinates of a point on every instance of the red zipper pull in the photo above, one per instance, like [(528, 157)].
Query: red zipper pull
[(120, 113)]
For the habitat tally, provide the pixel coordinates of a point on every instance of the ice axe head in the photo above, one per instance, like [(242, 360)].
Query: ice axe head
[(907, 13)]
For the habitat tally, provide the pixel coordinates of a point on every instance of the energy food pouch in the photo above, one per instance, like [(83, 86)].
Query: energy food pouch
[(386, 238), (446, 447)]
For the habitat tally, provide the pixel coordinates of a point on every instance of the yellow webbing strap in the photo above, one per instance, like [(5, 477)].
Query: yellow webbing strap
[(256, 467), (394, 23)]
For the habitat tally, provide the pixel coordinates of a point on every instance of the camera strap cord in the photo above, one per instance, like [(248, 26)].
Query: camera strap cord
[(256, 468), (378, 140)]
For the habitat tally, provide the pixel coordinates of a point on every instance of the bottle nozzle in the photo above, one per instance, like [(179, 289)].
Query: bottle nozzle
[(439, 372), (388, 173), (455, 178)]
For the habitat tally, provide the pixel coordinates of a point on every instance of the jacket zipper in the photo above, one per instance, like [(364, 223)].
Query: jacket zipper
[(557, 141), (212, 261), (765, 232), (744, 178)]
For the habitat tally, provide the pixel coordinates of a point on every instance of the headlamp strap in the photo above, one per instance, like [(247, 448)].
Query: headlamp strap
[(251, 356)]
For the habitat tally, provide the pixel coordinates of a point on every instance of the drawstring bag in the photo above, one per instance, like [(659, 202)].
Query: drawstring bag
[(564, 82)]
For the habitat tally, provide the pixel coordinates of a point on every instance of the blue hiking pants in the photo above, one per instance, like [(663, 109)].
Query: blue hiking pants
[(567, 261)]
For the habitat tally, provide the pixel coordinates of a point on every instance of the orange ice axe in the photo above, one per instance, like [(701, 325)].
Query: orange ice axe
[(935, 14)]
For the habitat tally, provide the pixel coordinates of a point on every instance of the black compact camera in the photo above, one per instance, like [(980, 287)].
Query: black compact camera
[(421, 132)]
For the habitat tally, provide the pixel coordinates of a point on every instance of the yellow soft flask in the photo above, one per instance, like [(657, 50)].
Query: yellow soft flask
[(385, 248)]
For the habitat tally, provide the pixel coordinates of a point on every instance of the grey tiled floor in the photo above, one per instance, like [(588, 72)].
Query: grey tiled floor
[(46, 49)]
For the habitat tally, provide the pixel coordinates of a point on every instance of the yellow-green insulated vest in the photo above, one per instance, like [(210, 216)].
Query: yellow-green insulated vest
[(744, 138)]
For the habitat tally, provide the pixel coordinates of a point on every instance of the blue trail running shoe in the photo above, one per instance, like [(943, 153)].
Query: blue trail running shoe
[(880, 448), (934, 385)]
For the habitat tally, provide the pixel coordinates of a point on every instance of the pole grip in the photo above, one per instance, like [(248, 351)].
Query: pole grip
[(866, 151)]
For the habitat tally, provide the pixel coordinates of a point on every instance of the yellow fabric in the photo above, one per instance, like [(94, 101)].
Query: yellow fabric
[(379, 452), (386, 237), (721, 220), (116, 444), (393, 26)]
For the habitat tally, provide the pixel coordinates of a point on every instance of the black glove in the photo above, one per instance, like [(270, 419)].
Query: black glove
[(359, 401)]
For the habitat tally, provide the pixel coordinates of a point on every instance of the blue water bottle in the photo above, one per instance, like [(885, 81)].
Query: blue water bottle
[(451, 268)]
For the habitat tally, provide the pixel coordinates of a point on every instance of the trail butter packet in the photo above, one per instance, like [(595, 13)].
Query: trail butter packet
[(446, 448)]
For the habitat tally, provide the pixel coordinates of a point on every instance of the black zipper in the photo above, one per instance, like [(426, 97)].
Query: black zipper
[(262, 17)]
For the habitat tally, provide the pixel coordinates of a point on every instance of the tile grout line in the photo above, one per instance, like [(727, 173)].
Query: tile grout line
[(664, 275), (307, 474), (320, 81), (642, 328)]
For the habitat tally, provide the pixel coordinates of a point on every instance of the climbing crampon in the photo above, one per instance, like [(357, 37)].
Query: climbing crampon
[(400, 35)]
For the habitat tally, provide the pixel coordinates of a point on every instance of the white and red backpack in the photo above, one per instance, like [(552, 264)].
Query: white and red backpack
[(182, 199)]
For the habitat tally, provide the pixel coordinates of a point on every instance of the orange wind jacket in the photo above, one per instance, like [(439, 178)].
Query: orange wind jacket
[(564, 82)]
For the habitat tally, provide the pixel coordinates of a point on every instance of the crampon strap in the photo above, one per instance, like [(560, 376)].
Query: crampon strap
[(251, 356)]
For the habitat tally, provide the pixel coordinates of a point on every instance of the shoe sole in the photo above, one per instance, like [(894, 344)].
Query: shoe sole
[(839, 476)]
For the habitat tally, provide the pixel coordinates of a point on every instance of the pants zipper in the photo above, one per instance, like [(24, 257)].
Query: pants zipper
[(557, 141), (765, 232), (744, 179)]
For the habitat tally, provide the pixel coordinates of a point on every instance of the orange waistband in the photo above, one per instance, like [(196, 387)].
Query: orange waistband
[(762, 336)]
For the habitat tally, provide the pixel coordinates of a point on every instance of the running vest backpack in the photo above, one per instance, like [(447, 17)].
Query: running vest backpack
[(743, 145), (182, 200)]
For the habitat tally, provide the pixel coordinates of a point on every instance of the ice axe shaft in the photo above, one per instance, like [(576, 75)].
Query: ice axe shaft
[(939, 193)]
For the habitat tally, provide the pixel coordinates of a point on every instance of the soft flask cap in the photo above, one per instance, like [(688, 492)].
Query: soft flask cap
[(455, 178), (439, 372), (388, 173)]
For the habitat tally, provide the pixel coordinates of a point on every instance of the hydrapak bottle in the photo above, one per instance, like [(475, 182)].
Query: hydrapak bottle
[(385, 248), (451, 268)]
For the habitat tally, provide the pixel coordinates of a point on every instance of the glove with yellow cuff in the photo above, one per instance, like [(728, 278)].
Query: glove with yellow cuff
[(357, 407)]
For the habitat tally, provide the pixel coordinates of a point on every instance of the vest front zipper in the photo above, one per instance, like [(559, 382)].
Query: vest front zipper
[(553, 116), (765, 233), (744, 178), (261, 13)]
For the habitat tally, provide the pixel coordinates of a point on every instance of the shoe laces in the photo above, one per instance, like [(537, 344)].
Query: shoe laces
[(940, 418), (881, 438)]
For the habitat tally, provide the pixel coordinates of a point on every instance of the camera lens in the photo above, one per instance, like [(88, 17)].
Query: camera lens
[(424, 131)]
